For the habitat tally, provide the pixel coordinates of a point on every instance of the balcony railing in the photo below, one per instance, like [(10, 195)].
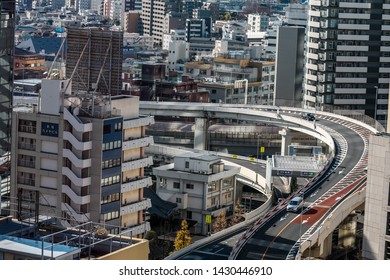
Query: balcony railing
[(142, 121), (26, 181), (137, 163), (136, 183), (26, 163), (28, 128), (27, 146), (136, 206), (133, 143)]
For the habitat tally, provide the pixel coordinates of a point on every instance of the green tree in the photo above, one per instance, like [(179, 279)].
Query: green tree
[(237, 215), (153, 244), (220, 222), (227, 16), (183, 238)]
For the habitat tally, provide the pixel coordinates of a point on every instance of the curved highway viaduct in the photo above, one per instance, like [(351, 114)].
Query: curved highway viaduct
[(329, 197)]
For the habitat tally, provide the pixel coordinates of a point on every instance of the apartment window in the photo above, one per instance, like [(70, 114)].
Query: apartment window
[(118, 126), (190, 186), (111, 215), (110, 180), (110, 198), (387, 250), (187, 164), (176, 185), (189, 215), (388, 201), (388, 224), (178, 200), (107, 129)]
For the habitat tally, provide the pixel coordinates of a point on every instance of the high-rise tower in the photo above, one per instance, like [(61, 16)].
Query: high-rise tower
[(348, 56), (7, 27)]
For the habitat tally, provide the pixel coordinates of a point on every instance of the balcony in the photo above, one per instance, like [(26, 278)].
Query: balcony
[(26, 163), (26, 181), (28, 129), (80, 163), (76, 123), (137, 163), (27, 146), (133, 143), (135, 184), (81, 182), (78, 199), (135, 230), (79, 217), (81, 146), (136, 206), (142, 121)]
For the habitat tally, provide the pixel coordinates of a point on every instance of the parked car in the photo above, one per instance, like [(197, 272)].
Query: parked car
[(295, 204), (308, 116)]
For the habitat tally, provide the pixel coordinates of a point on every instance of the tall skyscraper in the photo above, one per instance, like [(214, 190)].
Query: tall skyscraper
[(7, 27), (348, 56)]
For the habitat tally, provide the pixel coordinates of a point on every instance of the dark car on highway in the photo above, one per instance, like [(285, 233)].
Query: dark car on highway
[(308, 116)]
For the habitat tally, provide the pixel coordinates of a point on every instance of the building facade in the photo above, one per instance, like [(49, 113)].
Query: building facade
[(200, 185), (347, 57), (7, 30), (376, 231), (80, 161)]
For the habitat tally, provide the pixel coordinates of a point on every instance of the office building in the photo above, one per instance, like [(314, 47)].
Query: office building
[(200, 185), (347, 57), (81, 159), (153, 17), (7, 30)]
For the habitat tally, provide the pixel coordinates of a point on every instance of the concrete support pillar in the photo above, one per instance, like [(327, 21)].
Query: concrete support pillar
[(325, 247), (268, 176), (200, 135), (347, 232), (286, 141)]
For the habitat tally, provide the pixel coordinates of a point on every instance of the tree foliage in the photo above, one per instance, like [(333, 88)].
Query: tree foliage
[(183, 238), (220, 222), (238, 214)]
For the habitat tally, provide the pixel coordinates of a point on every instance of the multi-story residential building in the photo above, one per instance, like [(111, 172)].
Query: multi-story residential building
[(28, 65), (296, 14), (7, 30), (153, 16), (376, 241), (347, 57), (173, 35), (256, 79), (198, 28), (178, 54), (257, 23), (200, 185), (81, 159)]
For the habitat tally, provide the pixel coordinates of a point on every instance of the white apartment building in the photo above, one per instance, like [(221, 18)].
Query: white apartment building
[(257, 23), (348, 56), (78, 161), (173, 35), (200, 185), (178, 54)]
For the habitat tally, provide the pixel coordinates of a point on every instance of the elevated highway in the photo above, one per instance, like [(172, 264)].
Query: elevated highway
[(329, 197)]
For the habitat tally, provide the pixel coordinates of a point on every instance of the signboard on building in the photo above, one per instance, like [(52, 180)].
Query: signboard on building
[(49, 129)]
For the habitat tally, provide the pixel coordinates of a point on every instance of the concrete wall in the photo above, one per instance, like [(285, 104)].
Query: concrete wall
[(138, 251)]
